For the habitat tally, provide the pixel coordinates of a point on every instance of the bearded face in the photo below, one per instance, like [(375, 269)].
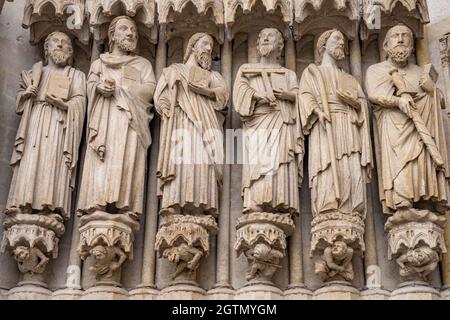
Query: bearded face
[(202, 52), (59, 49), (125, 36), (399, 45), (336, 46), (267, 42)]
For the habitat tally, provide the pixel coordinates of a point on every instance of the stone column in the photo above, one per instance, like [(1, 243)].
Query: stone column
[(355, 59), (445, 63), (161, 52), (252, 37), (289, 55), (223, 238), (422, 52)]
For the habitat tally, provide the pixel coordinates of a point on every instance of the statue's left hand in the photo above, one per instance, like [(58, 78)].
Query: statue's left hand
[(427, 84), (56, 101), (349, 99), (202, 90), (284, 95)]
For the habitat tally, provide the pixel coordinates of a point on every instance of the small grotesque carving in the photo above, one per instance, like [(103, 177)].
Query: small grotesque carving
[(30, 260), (107, 260), (264, 95), (51, 101), (334, 114), (264, 261), (191, 99), (421, 260), (413, 169), (336, 262), (187, 258)]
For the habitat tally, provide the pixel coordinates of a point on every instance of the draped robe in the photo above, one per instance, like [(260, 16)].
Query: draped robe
[(45, 152), (190, 158), (118, 135), (406, 171), (352, 145), (272, 143)]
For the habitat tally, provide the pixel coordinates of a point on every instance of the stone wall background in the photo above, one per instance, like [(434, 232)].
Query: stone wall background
[(16, 54)]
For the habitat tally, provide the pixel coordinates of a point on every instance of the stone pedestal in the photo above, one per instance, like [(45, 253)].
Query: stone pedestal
[(67, 294), (182, 292), (415, 291), (445, 293), (337, 290), (298, 293), (3, 294), (221, 293), (375, 294), (259, 291), (144, 293), (29, 292), (105, 293)]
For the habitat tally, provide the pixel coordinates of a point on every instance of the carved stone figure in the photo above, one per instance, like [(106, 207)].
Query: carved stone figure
[(411, 153), (51, 101), (336, 262), (191, 100), (107, 260), (335, 116), (265, 97), (120, 87)]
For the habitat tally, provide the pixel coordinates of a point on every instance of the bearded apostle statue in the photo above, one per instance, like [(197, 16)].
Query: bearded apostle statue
[(265, 97), (120, 87), (51, 101), (334, 114), (191, 99), (411, 155)]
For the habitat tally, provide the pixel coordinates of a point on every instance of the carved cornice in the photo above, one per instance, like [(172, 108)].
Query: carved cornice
[(45, 16), (101, 11), (202, 7), (285, 6)]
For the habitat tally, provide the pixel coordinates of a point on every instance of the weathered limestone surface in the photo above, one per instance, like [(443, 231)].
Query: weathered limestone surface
[(113, 234)]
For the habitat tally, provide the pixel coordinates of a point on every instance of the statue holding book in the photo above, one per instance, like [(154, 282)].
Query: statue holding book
[(51, 100), (413, 171), (192, 100), (334, 114)]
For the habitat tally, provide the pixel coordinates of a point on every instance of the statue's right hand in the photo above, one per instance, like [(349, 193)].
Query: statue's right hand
[(323, 118), (32, 90), (406, 104), (105, 90)]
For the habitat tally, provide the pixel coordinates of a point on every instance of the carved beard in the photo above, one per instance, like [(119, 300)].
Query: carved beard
[(204, 59), (338, 53), (59, 57), (126, 45), (400, 54), (265, 49)]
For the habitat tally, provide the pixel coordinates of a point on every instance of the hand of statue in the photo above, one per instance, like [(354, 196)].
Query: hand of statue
[(284, 95), (106, 89), (56, 101), (427, 84), (263, 97), (204, 91), (114, 266), (323, 117), (31, 91), (349, 99), (406, 104)]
